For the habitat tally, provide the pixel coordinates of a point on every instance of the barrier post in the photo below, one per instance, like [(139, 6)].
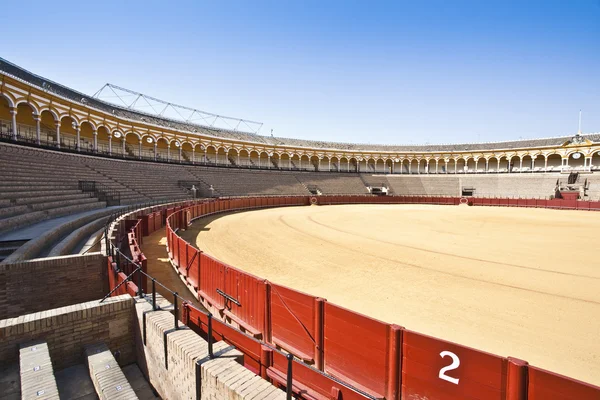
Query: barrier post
[(266, 360), (394, 360), (140, 290), (210, 337), (319, 321), (175, 311), (516, 385), (153, 294), (288, 391)]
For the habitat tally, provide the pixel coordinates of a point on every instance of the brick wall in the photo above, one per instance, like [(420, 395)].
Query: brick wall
[(30, 286), (222, 378), (68, 329)]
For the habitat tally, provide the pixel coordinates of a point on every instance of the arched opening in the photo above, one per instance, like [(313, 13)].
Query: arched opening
[(334, 164), (413, 166), (314, 164), (162, 149), (5, 117), (461, 166), (210, 154), (295, 161), (175, 152), (538, 163), (344, 164), (244, 158), (86, 136), (576, 161), (471, 165), (442, 166), (451, 166), (404, 165), (148, 142), (26, 124), (276, 161), (232, 157), (503, 167), (515, 161), (285, 161), (492, 164), (103, 137), (554, 162), (186, 153), (526, 164), (68, 132), (353, 166), (264, 160), (133, 145), (596, 161)]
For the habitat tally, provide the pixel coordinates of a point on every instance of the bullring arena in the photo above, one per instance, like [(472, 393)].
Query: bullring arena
[(149, 257)]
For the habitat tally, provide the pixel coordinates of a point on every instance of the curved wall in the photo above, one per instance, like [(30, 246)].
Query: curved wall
[(45, 112)]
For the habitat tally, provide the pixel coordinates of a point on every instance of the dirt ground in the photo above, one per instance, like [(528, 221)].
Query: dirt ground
[(511, 281)]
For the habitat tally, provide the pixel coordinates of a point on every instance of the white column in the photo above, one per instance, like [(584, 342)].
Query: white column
[(268, 161), (348, 165), (38, 134), (329, 165), (13, 113), (437, 164), (498, 169), (520, 165), (318, 164), (155, 150), (545, 163), (205, 155), (123, 146), (140, 150), (238, 159), (427, 167), (487, 165), (169, 152), (110, 144), (180, 151), (455, 166), (410, 167), (194, 155), (78, 130), (58, 134), (95, 134)]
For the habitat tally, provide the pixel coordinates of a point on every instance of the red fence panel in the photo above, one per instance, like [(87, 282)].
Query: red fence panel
[(296, 321), (309, 383), (546, 385), (193, 267), (440, 370), (583, 205), (522, 202), (357, 350), (594, 205), (251, 292), (212, 277), (531, 202), (183, 258)]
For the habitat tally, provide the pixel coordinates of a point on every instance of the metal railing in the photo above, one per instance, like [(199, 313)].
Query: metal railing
[(110, 196)]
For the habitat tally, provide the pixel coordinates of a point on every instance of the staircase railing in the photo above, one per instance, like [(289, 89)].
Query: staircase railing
[(110, 196)]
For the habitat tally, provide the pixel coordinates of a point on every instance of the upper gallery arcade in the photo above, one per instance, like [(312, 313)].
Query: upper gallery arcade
[(42, 112)]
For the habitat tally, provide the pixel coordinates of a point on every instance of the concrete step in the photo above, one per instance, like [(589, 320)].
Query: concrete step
[(139, 383), (37, 375), (74, 383), (107, 376)]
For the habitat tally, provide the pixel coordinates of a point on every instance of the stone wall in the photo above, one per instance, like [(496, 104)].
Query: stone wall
[(68, 329), (31, 286), (174, 377)]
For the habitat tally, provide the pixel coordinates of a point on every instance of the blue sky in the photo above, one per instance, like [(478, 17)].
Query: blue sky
[(372, 71)]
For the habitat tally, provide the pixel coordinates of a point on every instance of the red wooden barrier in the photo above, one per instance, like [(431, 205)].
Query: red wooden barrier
[(438, 370), (296, 322), (212, 277), (362, 351), (251, 292), (583, 205), (594, 205), (546, 385)]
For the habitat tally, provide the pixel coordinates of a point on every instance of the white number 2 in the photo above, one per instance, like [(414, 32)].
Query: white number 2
[(454, 365)]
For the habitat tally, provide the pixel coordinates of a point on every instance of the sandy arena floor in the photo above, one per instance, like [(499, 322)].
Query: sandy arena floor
[(511, 281)]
